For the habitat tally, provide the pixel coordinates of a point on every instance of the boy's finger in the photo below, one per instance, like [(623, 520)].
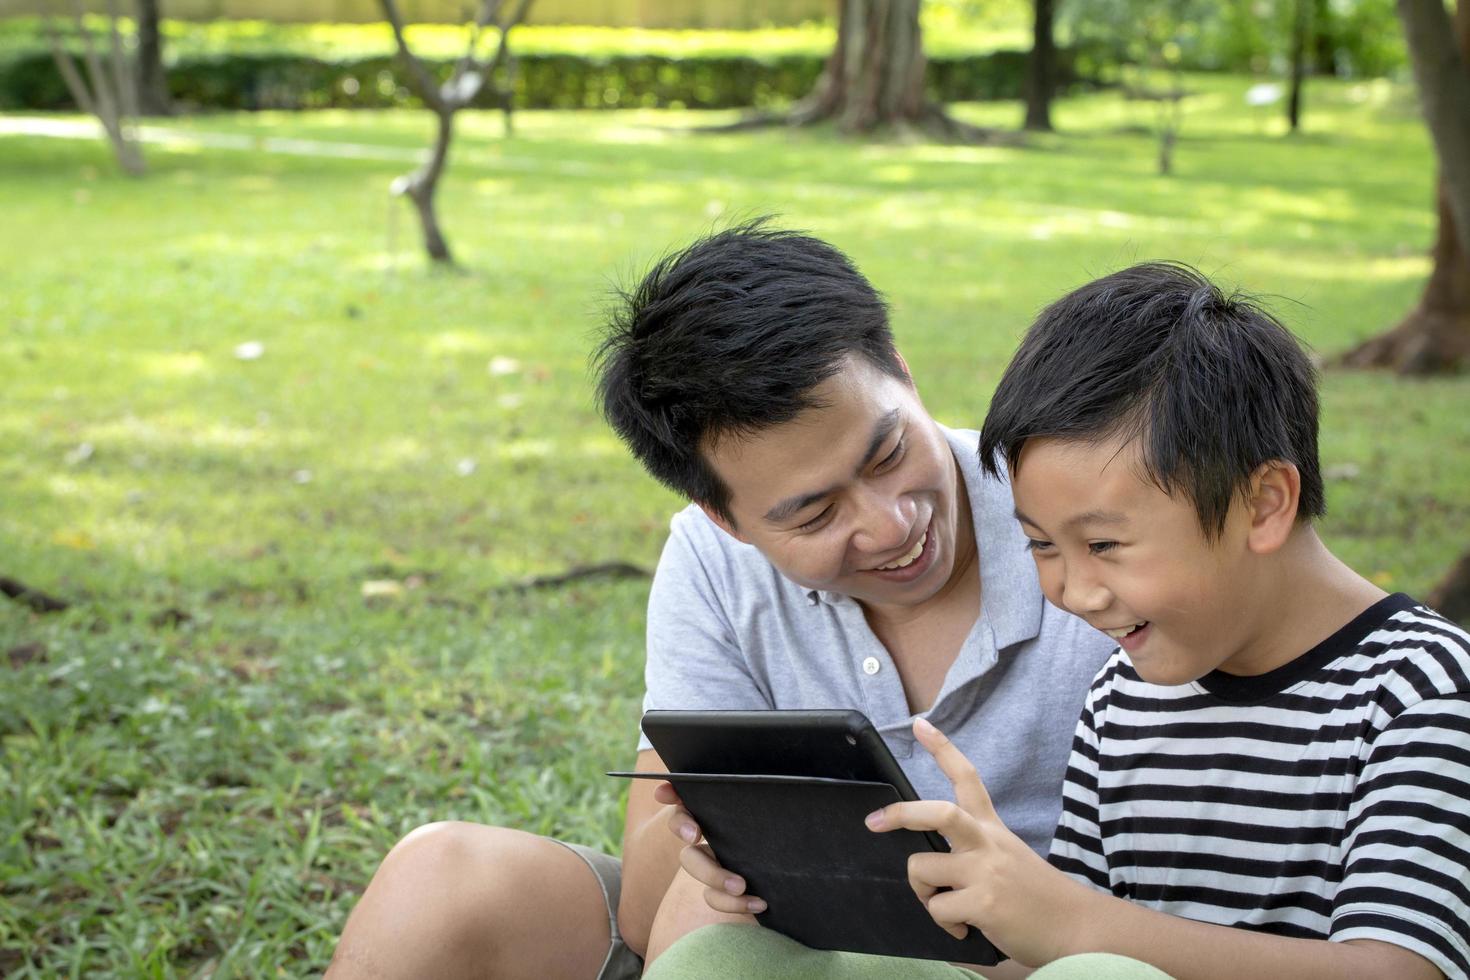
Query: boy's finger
[(933, 871), (955, 824), (666, 794), (922, 889), (733, 904), (946, 908), (683, 825), (699, 861), (969, 791)]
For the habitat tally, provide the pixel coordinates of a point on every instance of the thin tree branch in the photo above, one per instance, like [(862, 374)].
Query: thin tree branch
[(503, 51), (422, 81), (106, 103), (75, 84), (127, 90), (489, 13)]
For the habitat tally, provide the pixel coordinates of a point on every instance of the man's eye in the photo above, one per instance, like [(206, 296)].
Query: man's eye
[(893, 458), (817, 521), (1099, 547), (1033, 544)]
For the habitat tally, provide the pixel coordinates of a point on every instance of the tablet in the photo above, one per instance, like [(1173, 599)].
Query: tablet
[(833, 744), (781, 797)]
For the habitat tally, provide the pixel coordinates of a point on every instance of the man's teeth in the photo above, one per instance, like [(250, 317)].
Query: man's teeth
[(907, 559), (1119, 634)]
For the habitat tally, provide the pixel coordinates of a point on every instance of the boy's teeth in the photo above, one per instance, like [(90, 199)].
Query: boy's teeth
[(909, 558), (1119, 634)]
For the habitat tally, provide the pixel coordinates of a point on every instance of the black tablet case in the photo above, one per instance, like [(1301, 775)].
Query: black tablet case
[(829, 882)]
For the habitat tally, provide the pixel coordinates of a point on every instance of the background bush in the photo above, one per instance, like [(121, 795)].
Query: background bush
[(974, 55), (544, 79)]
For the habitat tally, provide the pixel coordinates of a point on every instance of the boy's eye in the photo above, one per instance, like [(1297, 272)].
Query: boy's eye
[(1099, 547), (817, 521), (893, 458), (1035, 544)]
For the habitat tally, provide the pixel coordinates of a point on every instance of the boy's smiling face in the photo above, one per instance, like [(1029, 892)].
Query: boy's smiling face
[(1133, 561)]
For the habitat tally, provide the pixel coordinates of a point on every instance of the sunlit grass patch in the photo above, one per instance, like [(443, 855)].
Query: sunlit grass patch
[(289, 477)]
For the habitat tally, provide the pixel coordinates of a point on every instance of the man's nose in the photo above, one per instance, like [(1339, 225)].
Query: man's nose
[(885, 522)]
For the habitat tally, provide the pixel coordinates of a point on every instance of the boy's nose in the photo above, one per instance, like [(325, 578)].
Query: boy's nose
[(1082, 595)]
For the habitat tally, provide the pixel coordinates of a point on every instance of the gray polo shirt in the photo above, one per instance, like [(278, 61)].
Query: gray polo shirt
[(727, 631)]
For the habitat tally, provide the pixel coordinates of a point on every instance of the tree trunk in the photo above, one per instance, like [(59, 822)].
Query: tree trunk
[(875, 74), (874, 78), (422, 186), (1041, 68), (465, 82), (1300, 31), (152, 84), (1434, 338), (1324, 39), (105, 93)]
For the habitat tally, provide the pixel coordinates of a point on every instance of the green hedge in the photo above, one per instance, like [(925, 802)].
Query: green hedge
[(544, 80)]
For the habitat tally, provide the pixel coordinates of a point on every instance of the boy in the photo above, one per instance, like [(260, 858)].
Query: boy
[(841, 549), (1271, 776)]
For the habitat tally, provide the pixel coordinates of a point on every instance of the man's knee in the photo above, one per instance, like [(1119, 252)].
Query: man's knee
[(458, 899), (464, 871), (438, 849)]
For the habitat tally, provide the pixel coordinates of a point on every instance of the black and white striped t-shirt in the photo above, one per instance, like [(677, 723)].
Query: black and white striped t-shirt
[(1329, 798)]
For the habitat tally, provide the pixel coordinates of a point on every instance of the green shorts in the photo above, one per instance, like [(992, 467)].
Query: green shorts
[(721, 951), (621, 962)]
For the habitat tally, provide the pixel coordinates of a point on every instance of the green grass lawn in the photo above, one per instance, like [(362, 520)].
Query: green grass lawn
[(206, 756)]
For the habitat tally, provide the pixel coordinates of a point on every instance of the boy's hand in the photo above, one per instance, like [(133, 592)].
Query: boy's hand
[(998, 884), (724, 891)]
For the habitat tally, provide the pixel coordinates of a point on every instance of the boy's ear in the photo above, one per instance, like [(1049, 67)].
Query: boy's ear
[(1276, 492), (905, 365), (724, 524)]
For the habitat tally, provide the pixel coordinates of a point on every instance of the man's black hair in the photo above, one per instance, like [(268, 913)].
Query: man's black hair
[(1211, 386), (729, 337)]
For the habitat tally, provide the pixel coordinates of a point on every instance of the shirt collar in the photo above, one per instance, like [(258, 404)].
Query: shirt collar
[(1010, 593)]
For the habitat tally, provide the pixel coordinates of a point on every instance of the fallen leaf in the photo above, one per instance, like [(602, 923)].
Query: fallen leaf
[(382, 588), (499, 367), (75, 539)]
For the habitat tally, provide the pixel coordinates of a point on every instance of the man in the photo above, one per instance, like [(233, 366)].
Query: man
[(841, 549)]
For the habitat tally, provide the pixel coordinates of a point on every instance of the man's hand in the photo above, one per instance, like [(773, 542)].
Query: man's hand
[(996, 882), (724, 891)]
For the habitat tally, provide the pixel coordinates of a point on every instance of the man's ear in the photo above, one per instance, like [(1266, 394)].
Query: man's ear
[(724, 523), (1276, 493), (905, 365)]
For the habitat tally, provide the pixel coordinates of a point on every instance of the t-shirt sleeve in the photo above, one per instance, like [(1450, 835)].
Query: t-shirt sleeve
[(694, 657), (1077, 846), (1406, 868)]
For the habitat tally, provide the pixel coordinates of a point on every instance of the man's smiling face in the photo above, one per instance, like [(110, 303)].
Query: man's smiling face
[(858, 495), (1133, 561)]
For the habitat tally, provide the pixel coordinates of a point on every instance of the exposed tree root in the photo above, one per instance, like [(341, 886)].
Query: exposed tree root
[(37, 600)]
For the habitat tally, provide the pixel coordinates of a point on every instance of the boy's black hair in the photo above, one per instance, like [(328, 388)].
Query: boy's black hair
[(1212, 386), (729, 337)]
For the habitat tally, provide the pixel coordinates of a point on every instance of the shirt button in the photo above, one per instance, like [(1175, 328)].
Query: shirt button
[(871, 666)]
